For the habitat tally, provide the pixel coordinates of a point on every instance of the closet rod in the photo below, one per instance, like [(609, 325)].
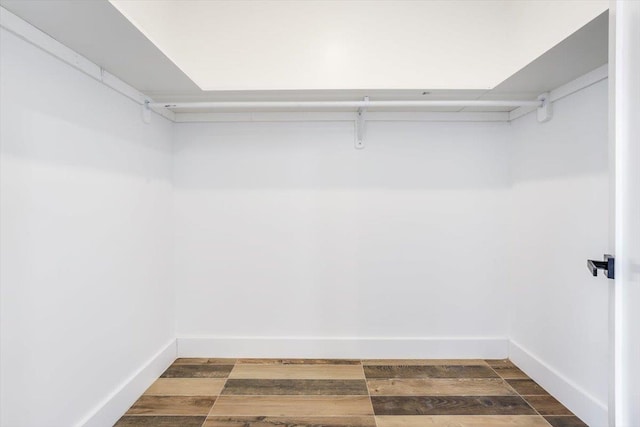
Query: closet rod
[(342, 104)]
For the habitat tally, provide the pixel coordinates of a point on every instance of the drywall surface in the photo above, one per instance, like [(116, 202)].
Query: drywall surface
[(86, 294), (284, 230), (284, 233), (559, 313)]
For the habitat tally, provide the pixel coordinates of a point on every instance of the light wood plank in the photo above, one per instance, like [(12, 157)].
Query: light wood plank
[(500, 363), (186, 387), (281, 406), (318, 372), (440, 387), (172, 405), (462, 421)]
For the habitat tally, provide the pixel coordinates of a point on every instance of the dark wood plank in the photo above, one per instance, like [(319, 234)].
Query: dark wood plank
[(547, 405), (565, 421), (295, 387), (440, 371), (197, 371), (299, 361), (297, 372), (450, 405), (526, 387), (440, 387), (151, 421), (461, 421), (203, 361), (423, 362), (172, 405), (510, 372), (290, 422)]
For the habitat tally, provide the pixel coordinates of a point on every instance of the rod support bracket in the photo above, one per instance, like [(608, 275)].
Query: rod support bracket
[(146, 112), (361, 124), (545, 110)]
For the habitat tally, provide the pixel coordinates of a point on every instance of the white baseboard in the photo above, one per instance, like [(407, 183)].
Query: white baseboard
[(119, 401), (347, 347), (588, 408)]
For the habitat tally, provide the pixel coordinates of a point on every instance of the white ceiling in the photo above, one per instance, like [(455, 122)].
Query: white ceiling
[(365, 44), (95, 29)]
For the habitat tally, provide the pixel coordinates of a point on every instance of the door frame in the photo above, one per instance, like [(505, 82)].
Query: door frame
[(624, 150)]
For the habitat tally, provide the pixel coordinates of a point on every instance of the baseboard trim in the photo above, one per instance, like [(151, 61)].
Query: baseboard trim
[(119, 401), (344, 347), (588, 408)]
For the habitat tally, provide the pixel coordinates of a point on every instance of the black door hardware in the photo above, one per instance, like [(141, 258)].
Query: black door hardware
[(608, 265)]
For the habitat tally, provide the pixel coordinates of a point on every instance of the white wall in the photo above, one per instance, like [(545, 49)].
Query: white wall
[(86, 294), (559, 313), (285, 230)]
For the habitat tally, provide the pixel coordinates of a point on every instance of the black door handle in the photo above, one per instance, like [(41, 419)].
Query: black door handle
[(608, 265)]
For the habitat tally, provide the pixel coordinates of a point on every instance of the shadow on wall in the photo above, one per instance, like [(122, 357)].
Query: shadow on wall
[(560, 148), (65, 118), (398, 155)]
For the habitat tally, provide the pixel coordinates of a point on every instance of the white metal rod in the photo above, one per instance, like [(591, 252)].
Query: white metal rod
[(341, 104)]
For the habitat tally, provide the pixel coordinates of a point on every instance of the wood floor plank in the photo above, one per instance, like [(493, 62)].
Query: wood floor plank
[(172, 405), (203, 361), (295, 387), (500, 363), (346, 393), (161, 421), (526, 387), (451, 405), (438, 371), (510, 373), (424, 362), (547, 405), (290, 422), (282, 406), (440, 386), (565, 421), (461, 421), (299, 361), (197, 371), (186, 387), (317, 372)]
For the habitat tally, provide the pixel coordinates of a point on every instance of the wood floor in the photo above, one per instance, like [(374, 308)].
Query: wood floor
[(341, 393)]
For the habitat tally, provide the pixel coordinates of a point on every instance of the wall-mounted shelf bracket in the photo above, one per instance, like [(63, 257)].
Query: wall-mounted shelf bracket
[(146, 112), (545, 110), (361, 124)]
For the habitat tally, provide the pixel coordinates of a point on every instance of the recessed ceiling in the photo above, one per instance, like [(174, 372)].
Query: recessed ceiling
[(328, 45), (96, 30)]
